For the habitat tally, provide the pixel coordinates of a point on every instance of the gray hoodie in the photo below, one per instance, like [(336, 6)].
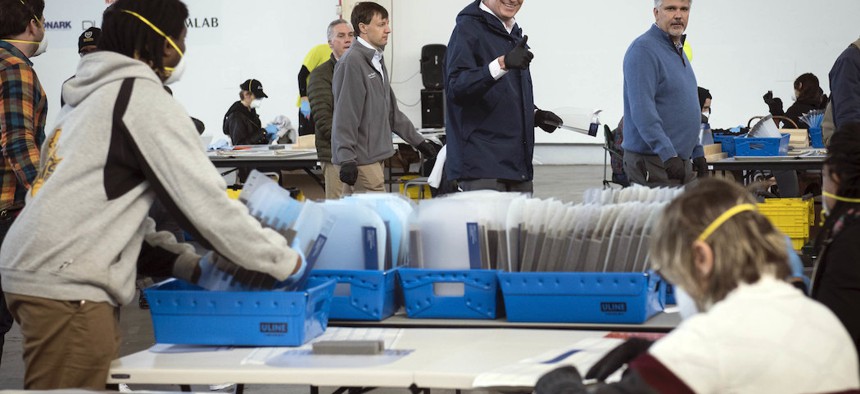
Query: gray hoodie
[(120, 142), (365, 111)]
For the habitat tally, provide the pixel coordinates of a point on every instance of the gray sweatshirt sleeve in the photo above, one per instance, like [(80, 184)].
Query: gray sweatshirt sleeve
[(194, 192)]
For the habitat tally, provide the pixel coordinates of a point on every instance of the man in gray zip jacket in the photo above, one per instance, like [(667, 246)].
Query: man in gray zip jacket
[(365, 109)]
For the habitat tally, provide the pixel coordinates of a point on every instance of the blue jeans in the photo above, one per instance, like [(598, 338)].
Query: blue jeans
[(5, 317)]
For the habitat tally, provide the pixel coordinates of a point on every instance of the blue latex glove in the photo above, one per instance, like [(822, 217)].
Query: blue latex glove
[(305, 108), (272, 131)]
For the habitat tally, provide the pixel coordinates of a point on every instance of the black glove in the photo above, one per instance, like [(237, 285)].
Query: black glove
[(773, 104), (349, 173), (519, 57), (675, 168), (428, 149), (547, 121), (701, 166), (560, 380), (615, 359)]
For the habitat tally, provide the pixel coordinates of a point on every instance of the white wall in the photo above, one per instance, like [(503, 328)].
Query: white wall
[(741, 49)]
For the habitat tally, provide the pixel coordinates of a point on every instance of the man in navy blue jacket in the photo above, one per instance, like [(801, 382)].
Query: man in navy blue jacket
[(661, 103), (845, 86), (491, 114)]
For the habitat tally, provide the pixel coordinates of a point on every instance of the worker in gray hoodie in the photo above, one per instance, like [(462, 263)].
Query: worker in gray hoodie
[(120, 142), (365, 108)]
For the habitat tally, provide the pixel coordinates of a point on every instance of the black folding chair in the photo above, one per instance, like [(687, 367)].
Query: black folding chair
[(611, 152)]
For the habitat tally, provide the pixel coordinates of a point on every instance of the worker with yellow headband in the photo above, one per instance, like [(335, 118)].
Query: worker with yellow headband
[(70, 260), (836, 277), (750, 331)]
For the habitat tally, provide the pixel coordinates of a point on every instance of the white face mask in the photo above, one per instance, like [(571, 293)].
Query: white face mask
[(43, 46), (686, 305), (176, 72), (256, 103)]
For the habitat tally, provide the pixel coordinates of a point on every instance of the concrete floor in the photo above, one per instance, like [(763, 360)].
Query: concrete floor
[(566, 183)]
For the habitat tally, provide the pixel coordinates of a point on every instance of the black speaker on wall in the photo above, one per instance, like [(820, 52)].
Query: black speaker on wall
[(432, 109), (433, 65)]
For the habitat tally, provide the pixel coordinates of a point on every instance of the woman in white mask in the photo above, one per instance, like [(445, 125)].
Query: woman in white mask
[(836, 279), (241, 122), (753, 332)]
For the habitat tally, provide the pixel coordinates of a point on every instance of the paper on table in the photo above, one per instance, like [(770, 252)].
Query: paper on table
[(525, 373)]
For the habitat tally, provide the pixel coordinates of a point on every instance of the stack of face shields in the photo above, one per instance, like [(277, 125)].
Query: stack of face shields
[(303, 225), (510, 232)]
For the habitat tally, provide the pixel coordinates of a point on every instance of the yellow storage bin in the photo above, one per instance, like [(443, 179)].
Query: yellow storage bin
[(413, 188), (792, 216)]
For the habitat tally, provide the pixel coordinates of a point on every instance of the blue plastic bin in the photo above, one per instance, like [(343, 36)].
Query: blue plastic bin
[(422, 298), (727, 143), (361, 295), (762, 146), (582, 297), (186, 314), (816, 138)]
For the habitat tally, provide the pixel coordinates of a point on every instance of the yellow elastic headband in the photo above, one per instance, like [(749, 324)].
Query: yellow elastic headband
[(157, 30), (723, 218), (840, 198)]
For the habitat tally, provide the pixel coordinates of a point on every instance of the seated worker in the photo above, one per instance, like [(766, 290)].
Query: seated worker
[(69, 261), (836, 278), (745, 330), (808, 96), (241, 121)]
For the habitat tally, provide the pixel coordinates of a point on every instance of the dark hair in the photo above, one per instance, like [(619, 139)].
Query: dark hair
[(17, 14), (124, 33), (703, 95), (364, 12), (810, 89), (843, 159)]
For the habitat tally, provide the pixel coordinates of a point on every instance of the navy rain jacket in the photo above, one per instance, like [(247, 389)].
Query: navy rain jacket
[(489, 123)]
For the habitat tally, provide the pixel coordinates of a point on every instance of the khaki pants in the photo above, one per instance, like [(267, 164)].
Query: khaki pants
[(333, 185), (67, 344), (371, 178)]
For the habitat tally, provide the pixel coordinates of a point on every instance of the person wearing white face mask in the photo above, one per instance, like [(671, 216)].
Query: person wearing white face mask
[(22, 114), (120, 143), (750, 331), (836, 277), (241, 121)]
